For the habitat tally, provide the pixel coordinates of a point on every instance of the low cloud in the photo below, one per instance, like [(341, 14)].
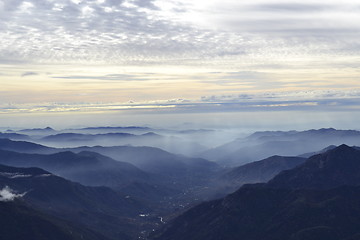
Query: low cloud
[(109, 77), (286, 101), (7, 194), (27, 74)]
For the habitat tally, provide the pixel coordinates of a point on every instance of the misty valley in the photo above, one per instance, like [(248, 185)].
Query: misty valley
[(127, 183)]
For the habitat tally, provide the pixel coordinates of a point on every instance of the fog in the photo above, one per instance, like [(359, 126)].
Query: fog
[(245, 122)]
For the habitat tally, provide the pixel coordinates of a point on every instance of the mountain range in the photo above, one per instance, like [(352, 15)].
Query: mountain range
[(275, 185), (318, 199), (260, 145)]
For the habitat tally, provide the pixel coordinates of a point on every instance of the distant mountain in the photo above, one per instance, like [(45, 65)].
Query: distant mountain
[(307, 155), (96, 169), (78, 137), (154, 160), (19, 222), (24, 147), (293, 143), (261, 171), (162, 176), (98, 208), (98, 130), (47, 130), (336, 167), (168, 143), (318, 199), (230, 180), (14, 136), (169, 181), (84, 168)]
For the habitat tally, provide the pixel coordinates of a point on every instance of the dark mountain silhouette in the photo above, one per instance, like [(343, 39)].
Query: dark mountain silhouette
[(318, 199), (19, 221), (98, 208), (337, 167), (258, 213)]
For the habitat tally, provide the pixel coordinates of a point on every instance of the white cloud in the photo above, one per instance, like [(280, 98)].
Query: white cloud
[(7, 194), (180, 31)]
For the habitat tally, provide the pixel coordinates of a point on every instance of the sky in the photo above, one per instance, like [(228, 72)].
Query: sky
[(221, 62)]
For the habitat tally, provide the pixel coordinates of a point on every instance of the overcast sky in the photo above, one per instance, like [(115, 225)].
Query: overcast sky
[(188, 56)]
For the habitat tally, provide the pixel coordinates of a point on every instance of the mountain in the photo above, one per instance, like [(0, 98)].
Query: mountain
[(84, 168), (229, 180), (151, 139), (337, 167), (98, 208), (24, 147), (258, 213), (164, 179), (153, 160), (293, 143), (40, 131), (83, 138), (149, 159), (318, 199), (14, 136), (171, 182), (310, 154), (19, 222), (261, 171), (98, 130)]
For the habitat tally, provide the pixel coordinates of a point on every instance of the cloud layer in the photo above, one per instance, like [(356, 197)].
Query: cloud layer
[(290, 101), (174, 32)]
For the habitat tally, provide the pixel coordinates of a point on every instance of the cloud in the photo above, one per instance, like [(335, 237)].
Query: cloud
[(26, 74), (7, 194), (291, 7), (257, 45), (135, 32), (109, 77), (319, 100)]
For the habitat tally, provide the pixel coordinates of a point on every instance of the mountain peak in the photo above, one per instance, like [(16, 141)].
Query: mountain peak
[(343, 147), (336, 167)]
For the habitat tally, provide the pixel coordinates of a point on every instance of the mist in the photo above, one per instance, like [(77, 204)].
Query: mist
[(8, 195)]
